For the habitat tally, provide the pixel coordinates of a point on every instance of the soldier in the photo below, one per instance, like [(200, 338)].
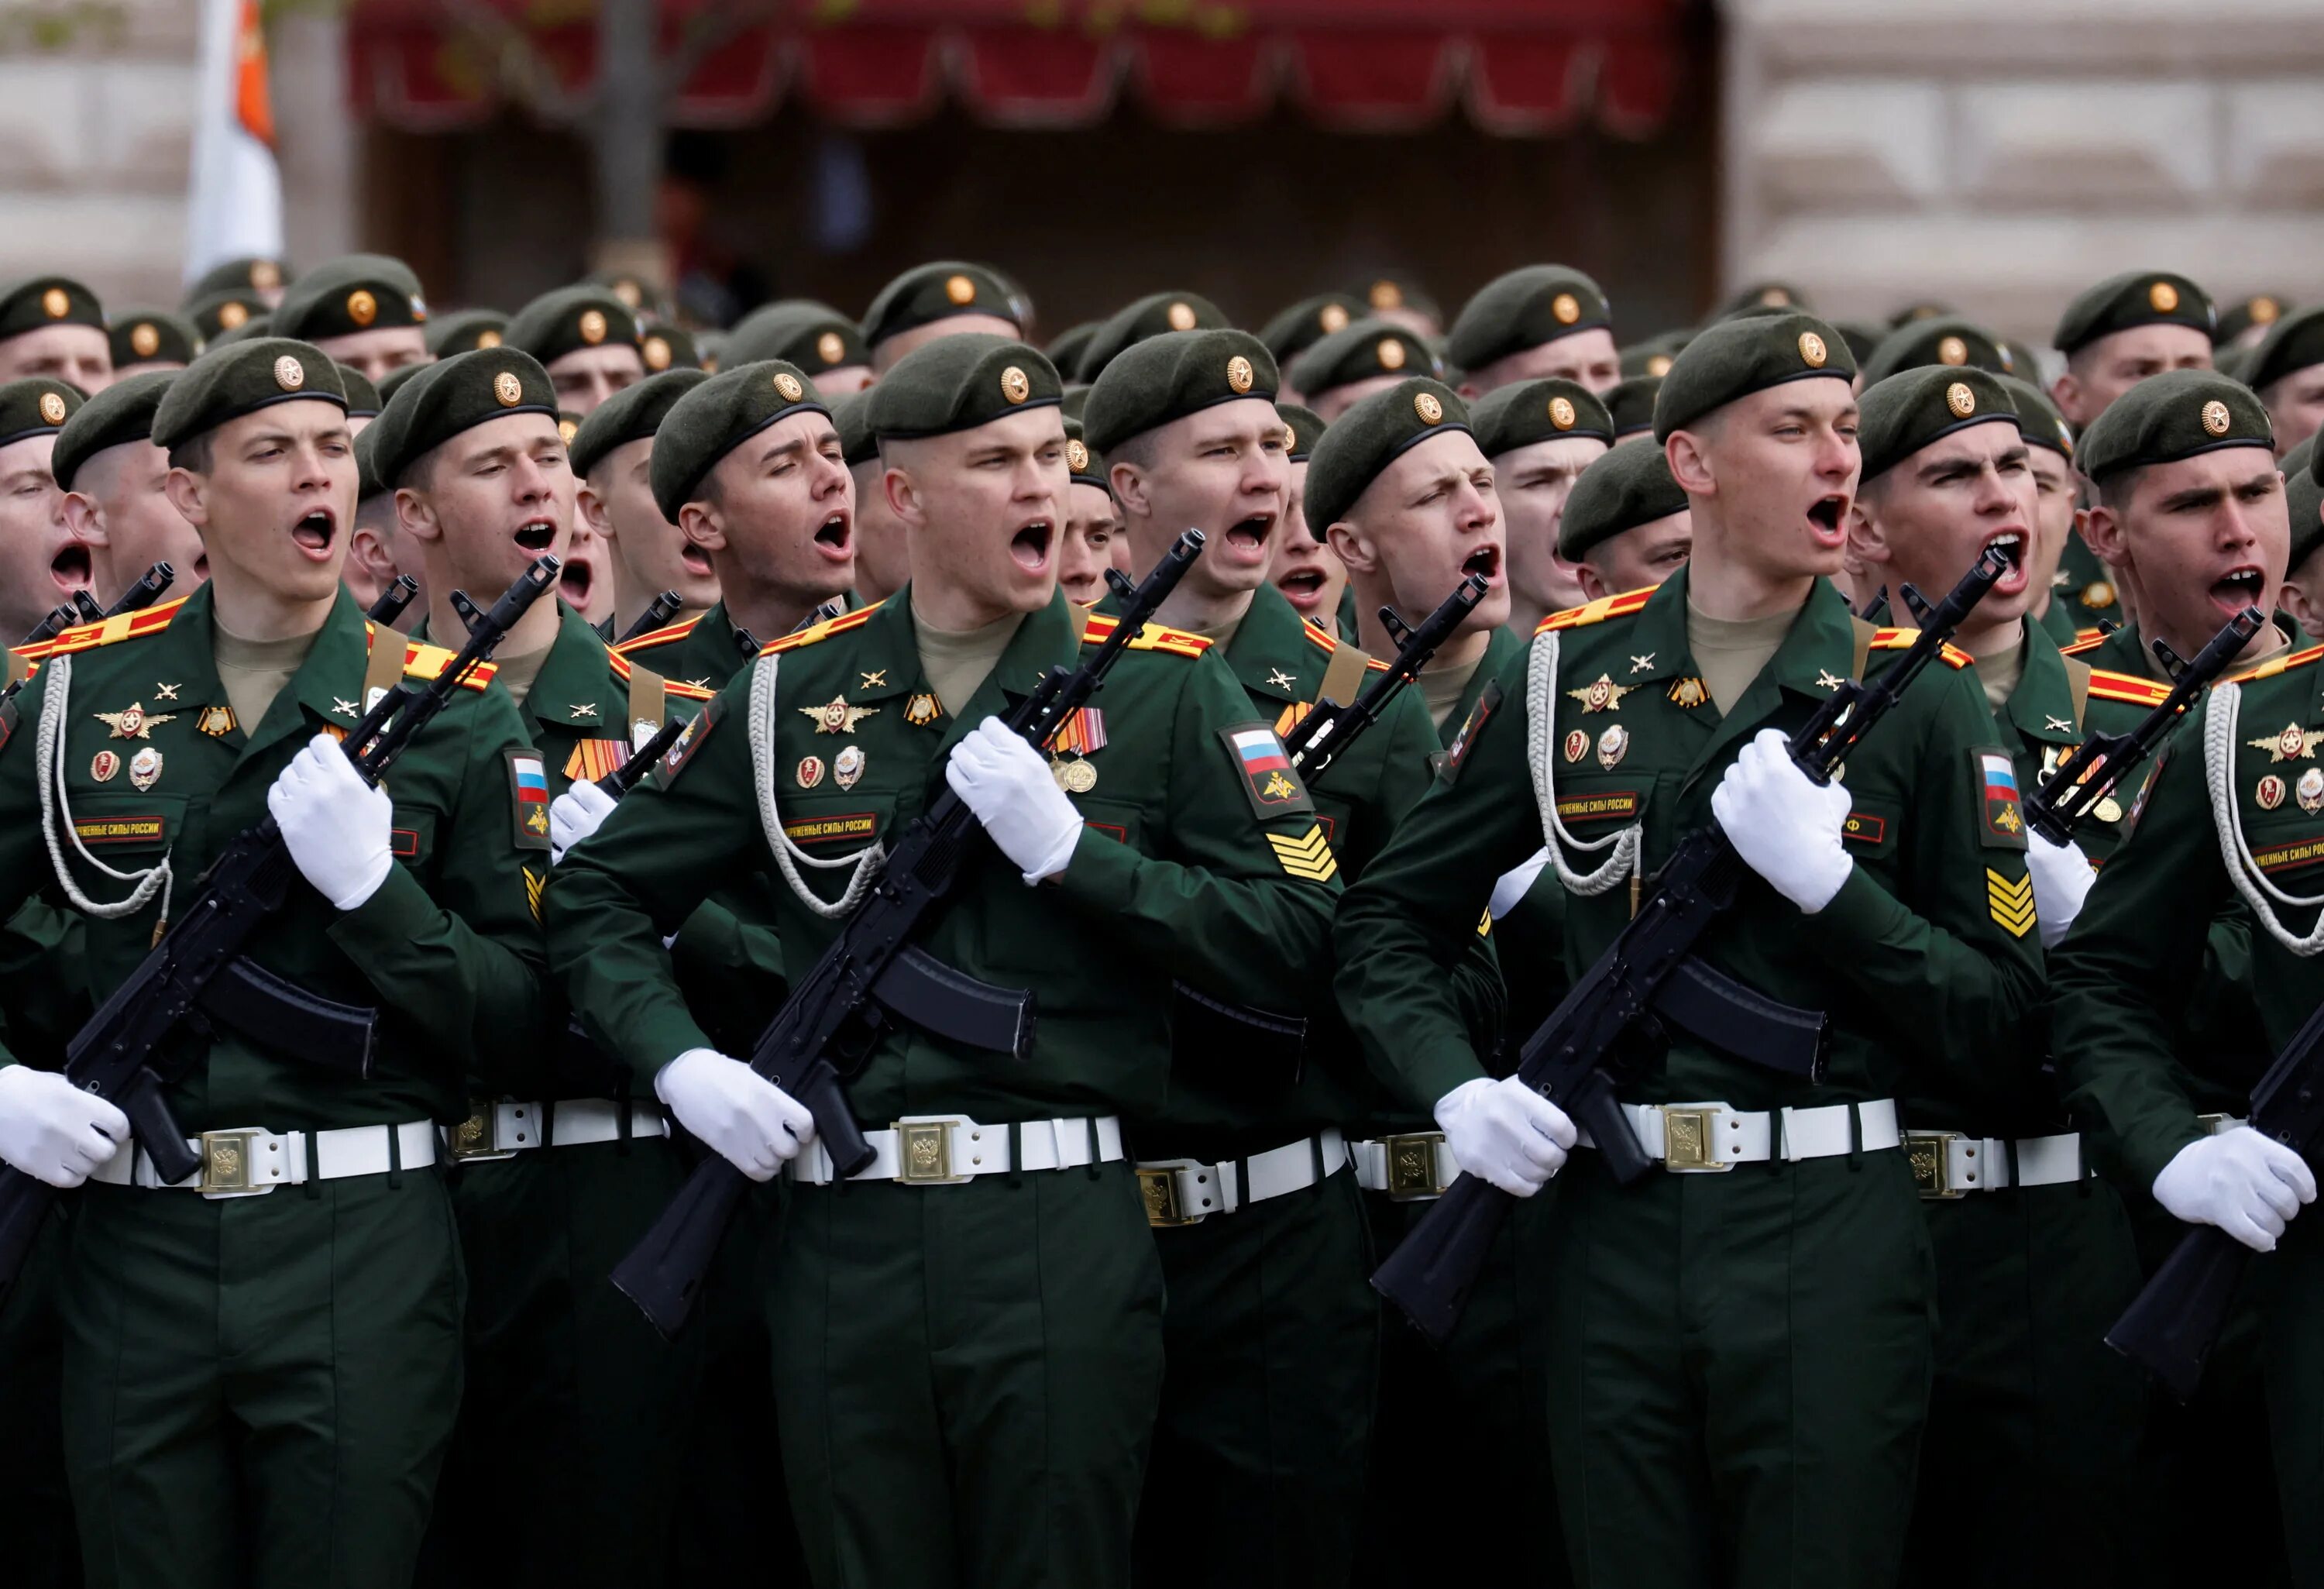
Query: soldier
[(813, 337), (1299, 327), (1626, 525), (1158, 314), (1092, 524), (1304, 567), (1341, 370), (464, 330), (53, 327), (140, 341), (1938, 339), (2242, 325), (919, 1414), (372, 563), (1399, 301), (363, 402), (2057, 512), (1540, 435), (943, 299), (295, 1438), (260, 276), (2287, 370), (41, 562), (662, 346), (117, 490), (1631, 404), (215, 314), (882, 560), (1535, 321), (2302, 593), (365, 310), (1770, 1437), (586, 338), (613, 459)]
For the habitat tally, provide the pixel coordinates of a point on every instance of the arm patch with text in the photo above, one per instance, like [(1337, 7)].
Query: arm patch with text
[(1265, 771)]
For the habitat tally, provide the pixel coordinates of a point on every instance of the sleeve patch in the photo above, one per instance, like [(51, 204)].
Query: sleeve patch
[(1266, 772), (2011, 903), (528, 799), (1863, 827), (1449, 761), (1307, 858), (682, 752), (2001, 826)]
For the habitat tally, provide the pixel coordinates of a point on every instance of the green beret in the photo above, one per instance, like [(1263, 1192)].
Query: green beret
[(2300, 459), (2261, 308), (2038, 419), (1065, 349), (456, 394), (251, 273), (355, 293), (241, 378), (1363, 351), (2023, 358), (638, 295), (1158, 314), (464, 330), (851, 416), (368, 483), (2134, 298), (1653, 356), (1167, 377), (1862, 338), (40, 301), (38, 405), (363, 401), (122, 412), (927, 293), (570, 319), (1306, 428), (1308, 321), (1928, 309), (2294, 342), (1939, 339), (958, 384), (1755, 311), (1766, 295), (215, 314), (1084, 463), (1074, 402), (2303, 497), (151, 336), (631, 414), (1524, 309), (1383, 293), (1370, 437), (1630, 405), (250, 330), (1915, 408), (395, 380), (713, 418), (1736, 357), (1545, 409), (710, 350), (664, 347), (1630, 487), (2175, 415), (815, 336)]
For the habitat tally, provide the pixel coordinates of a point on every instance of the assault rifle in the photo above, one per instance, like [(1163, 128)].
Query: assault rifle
[(659, 611), (136, 598), (1325, 733), (391, 601), (871, 975), (1584, 1054), (120, 1054)]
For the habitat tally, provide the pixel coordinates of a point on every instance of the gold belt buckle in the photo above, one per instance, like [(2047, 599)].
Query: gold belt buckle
[(1165, 1209), (1688, 1144), (924, 1152), (2213, 1124), (1412, 1165), (478, 1136), (1926, 1152), (226, 1166)]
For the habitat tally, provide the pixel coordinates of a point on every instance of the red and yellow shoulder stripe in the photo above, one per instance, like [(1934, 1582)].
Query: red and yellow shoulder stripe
[(2284, 664), (654, 637), (422, 661), (1599, 611), (2084, 639), (111, 631), (2127, 687), (1901, 639), (622, 668), (1329, 644), (1151, 638), (815, 632)]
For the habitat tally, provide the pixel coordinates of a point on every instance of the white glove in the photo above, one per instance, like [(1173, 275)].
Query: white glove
[(51, 1130), (2061, 882), (1504, 1131), (1009, 786), (1515, 884), (335, 824), (574, 815), (1785, 828), (2247, 1183), (747, 1120)]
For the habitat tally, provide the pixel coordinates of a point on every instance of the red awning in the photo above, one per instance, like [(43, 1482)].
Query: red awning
[(1517, 67)]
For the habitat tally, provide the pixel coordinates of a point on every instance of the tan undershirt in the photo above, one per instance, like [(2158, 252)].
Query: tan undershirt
[(254, 671), (1442, 688), (1730, 653), (518, 673), (2001, 675), (955, 662)]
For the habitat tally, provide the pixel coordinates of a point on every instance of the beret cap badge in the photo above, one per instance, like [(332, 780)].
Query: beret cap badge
[(655, 354), (1391, 354), (2216, 417), (1566, 308), (1426, 405), (1076, 457), (1659, 364), (830, 348), (1181, 317), (1015, 384), (2163, 296), (488, 339), (507, 389), (2265, 311), (1812, 350), (1333, 318), (145, 340), (1953, 350), (1561, 412), (232, 316), (568, 428), (52, 408), (265, 275), (1963, 402), (591, 326), (288, 374), (363, 308), (789, 385), (1239, 374), (56, 303), (960, 290), (1386, 295)]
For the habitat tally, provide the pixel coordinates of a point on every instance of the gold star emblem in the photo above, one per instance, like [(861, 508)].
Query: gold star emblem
[(165, 692), (1279, 679), (1640, 664), (874, 680), (1602, 694), (2295, 743), (583, 708), (134, 723), (838, 716), (1827, 681)]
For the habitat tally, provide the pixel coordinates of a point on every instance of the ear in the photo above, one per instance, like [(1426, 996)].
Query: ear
[(1470, 390), (591, 508), (2066, 392), (189, 494), (2102, 532), (1593, 586), (81, 517), (1129, 490), (2292, 597), (1867, 542), (1354, 548), (701, 523), (903, 493), (415, 515), (1690, 463)]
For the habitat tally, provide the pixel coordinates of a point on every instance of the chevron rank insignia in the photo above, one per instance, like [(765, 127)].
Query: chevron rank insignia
[(533, 884), (2011, 903), (1267, 778), (1308, 857)]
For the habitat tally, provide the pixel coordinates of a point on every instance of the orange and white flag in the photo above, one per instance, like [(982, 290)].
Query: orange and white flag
[(234, 206)]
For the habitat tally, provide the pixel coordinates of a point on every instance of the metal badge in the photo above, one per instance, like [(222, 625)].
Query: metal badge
[(1612, 746), (810, 772), (847, 767), (2309, 790), (1074, 777), (145, 769), (922, 710), (103, 765), (1577, 744), (2270, 792), (217, 722)]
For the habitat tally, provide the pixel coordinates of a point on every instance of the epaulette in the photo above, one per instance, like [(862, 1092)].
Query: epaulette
[(110, 630), (823, 630), (1901, 639), (2271, 667), (1599, 611), (422, 661), (654, 637), (1329, 644), (2127, 687), (1153, 637), (622, 668), (2084, 639)]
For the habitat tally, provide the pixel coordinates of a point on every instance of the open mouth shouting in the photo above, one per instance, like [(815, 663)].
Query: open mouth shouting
[(2011, 544), (1828, 521), (70, 568), (1302, 588), (836, 537), (1246, 542), (315, 534), (576, 577), (1032, 545), (2243, 585), (1485, 562), (537, 535)]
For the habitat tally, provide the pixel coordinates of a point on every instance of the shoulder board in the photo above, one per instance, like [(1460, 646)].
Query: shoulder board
[(821, 632), (1599, 611), (2084, 639), (1901, 639), (422, 661), (122, 626), (1153, 637), (654, 637), (687, 692), (2275, 665), (1329, 644), (2125, 687)]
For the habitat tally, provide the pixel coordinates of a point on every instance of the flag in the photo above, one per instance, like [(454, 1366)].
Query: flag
[(234, 206)]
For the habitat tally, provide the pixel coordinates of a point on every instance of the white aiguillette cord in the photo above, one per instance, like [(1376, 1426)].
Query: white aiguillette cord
[(49, 759), (2224, 709), (789, 857), (1540, 733)]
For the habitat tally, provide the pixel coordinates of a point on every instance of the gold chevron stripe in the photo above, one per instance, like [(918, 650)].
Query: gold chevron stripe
[(1308, 857), (2011, 904), (532, 887)]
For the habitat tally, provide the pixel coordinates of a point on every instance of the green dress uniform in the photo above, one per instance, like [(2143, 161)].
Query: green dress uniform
[(1738, 1352), (703, 651), (259, 1384), (966, 1374)]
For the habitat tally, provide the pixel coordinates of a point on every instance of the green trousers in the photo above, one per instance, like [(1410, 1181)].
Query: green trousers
[(966, 1378), (258, 1391), (565, 1465), (2029, 1469), (1738, 1368), (1271, 1353), (35, 1516), (2288, 1285)]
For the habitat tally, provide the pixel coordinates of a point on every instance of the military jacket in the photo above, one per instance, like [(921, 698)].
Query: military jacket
[(702, 652), (155, 765), (1196, 860), (1926, 959)]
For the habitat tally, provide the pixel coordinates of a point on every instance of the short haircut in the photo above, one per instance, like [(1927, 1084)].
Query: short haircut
[(194, 454)]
